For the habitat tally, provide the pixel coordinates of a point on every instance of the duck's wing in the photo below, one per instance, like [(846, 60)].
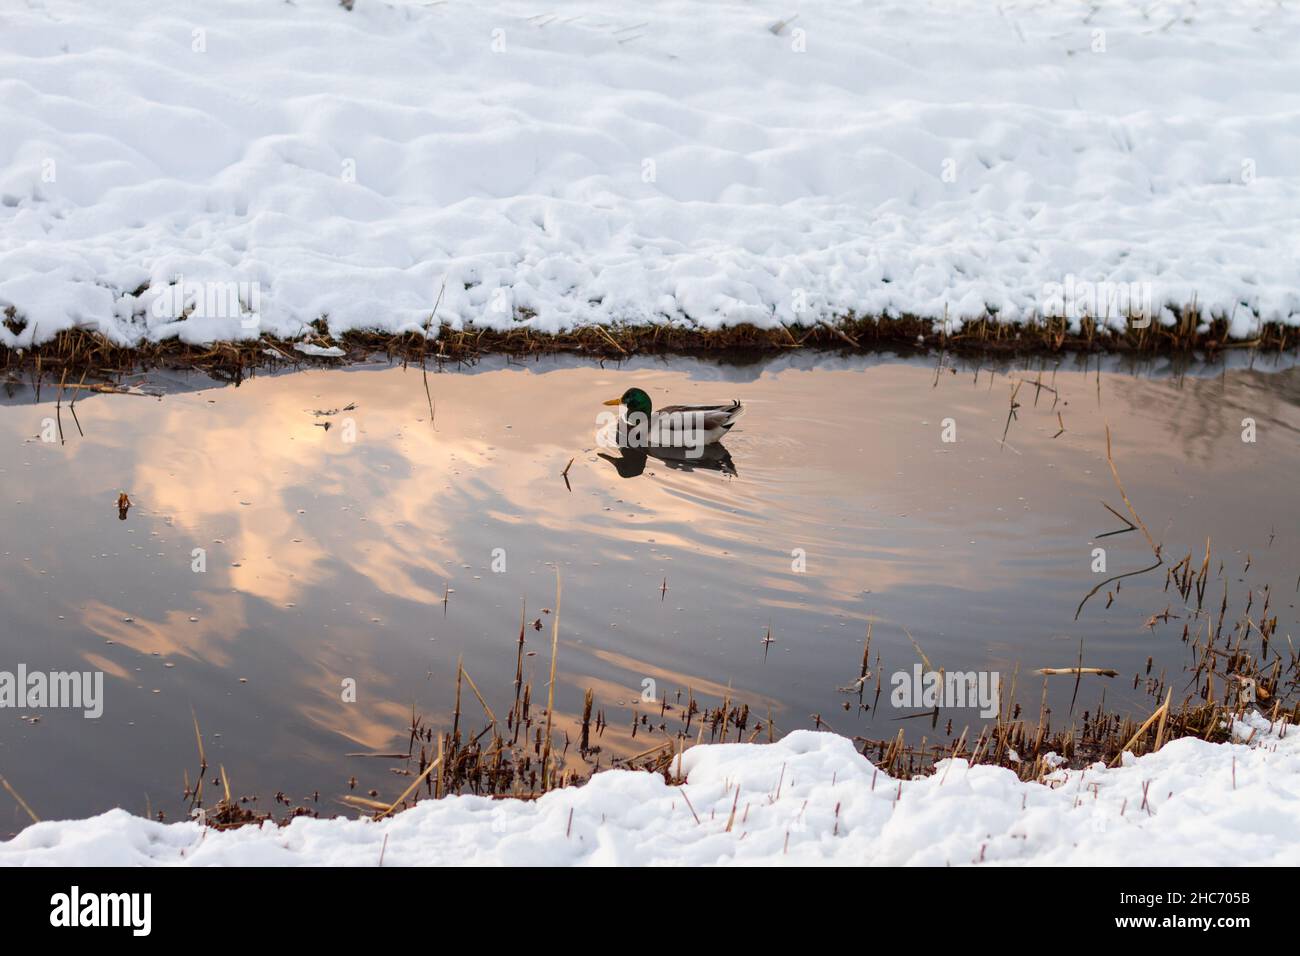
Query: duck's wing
[(714, 416)]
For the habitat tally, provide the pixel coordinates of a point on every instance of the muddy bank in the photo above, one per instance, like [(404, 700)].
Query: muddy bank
[(79, 352)]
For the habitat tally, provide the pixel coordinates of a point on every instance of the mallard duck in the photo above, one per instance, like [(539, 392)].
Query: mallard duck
[(676, 425)]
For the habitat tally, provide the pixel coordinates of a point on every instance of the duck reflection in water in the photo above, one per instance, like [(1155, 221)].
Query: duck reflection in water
[(631, 462)]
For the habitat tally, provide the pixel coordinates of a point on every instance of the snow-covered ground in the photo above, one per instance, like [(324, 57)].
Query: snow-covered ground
[(809, 798), (576, 161)]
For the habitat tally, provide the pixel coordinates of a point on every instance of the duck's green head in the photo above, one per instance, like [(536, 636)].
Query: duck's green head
[(634, 400)]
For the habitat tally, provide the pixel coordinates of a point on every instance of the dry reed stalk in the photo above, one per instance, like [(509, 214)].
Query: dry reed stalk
[(409, 790), (587, 700), (455, 720), (519, 665), (1159, 714), (21, 802), (203, 761), (732, 818), (486, 709), (353, 800), (1155, 548), (1164, 714), (924, 660), (610, 339), (688, 805), (550, 690), (437, 781), (646, 753), (424, 345), (866, 653)]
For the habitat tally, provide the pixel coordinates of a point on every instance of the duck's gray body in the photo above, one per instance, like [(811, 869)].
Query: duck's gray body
[(709, 422)]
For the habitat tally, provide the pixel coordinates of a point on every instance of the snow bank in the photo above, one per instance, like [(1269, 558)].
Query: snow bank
[(684, 161), (809, 798)]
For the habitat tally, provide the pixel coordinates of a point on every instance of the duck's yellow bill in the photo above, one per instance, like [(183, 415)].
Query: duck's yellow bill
[(613, 401)]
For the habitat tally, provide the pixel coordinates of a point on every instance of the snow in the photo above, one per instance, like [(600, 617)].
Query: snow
[(809, 798), (684, 161), (319, 351)]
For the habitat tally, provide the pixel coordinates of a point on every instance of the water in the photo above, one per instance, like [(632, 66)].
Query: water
[(384, 559)]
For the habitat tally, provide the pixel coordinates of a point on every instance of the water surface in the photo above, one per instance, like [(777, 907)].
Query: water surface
[(389, 545)]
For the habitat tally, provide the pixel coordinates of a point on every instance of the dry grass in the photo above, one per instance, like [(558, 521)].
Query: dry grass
[(529, 755), (80, 351)]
